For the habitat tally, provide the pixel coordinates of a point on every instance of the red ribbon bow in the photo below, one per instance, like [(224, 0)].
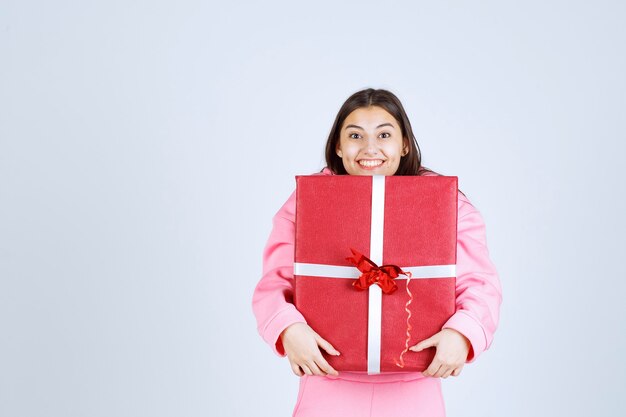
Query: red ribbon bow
[(373, 274)]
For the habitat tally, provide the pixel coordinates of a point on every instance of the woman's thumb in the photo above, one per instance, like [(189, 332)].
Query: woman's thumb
[(325, 345), (430, 342)]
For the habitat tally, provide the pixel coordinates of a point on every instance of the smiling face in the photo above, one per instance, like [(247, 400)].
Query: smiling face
[(371, 142)]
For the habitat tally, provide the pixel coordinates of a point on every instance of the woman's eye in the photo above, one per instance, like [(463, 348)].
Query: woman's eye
[(354, 136), (385, 135)]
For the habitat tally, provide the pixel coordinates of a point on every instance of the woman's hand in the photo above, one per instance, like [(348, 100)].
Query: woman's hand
[(452, 350), (302, 346)]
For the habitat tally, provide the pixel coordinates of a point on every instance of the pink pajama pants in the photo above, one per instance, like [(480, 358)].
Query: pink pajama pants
[(320, 396)]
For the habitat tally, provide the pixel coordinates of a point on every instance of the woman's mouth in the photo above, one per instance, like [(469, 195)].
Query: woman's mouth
[(370, 163)]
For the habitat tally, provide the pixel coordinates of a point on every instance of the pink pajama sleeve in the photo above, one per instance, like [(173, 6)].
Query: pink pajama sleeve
[(478, 291), (272, 301)]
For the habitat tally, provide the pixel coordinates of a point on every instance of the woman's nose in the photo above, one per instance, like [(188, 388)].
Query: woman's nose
[(371, 147)]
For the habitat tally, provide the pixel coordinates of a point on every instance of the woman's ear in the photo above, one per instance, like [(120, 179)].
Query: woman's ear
[(338, 152), (405, 149)]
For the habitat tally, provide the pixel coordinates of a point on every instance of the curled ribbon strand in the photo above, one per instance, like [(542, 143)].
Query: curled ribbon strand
[(384, 276), (408, 325)]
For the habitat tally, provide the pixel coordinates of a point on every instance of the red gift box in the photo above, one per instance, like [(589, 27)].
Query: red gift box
[(404, 221)]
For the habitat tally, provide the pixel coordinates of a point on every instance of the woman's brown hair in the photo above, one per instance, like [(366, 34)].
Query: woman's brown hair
[(410, 164)]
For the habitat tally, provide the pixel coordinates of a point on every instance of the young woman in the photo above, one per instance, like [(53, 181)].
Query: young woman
[(372, 135)]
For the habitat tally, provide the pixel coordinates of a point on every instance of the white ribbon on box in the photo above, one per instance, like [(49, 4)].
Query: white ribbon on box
[(374, 318)]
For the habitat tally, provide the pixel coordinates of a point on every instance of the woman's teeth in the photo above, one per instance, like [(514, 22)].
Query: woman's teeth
[(370, 164)]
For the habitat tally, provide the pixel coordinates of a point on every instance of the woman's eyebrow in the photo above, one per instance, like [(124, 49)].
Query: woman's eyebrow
[(377, 127)]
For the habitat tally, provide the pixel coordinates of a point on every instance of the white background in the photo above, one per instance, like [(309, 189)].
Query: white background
[(145, 146)]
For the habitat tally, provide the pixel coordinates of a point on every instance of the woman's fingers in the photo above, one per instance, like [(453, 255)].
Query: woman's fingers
[(447, 373), (325, 366), (325, 345), (438, 369), (452, 350), (432, 369), (426, 343), (315, 369), (302, 345), (306, 369), (296, 369), (317, 366), (441, 371)]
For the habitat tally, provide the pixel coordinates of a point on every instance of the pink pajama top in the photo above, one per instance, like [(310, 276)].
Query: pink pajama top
[(478, 290)]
